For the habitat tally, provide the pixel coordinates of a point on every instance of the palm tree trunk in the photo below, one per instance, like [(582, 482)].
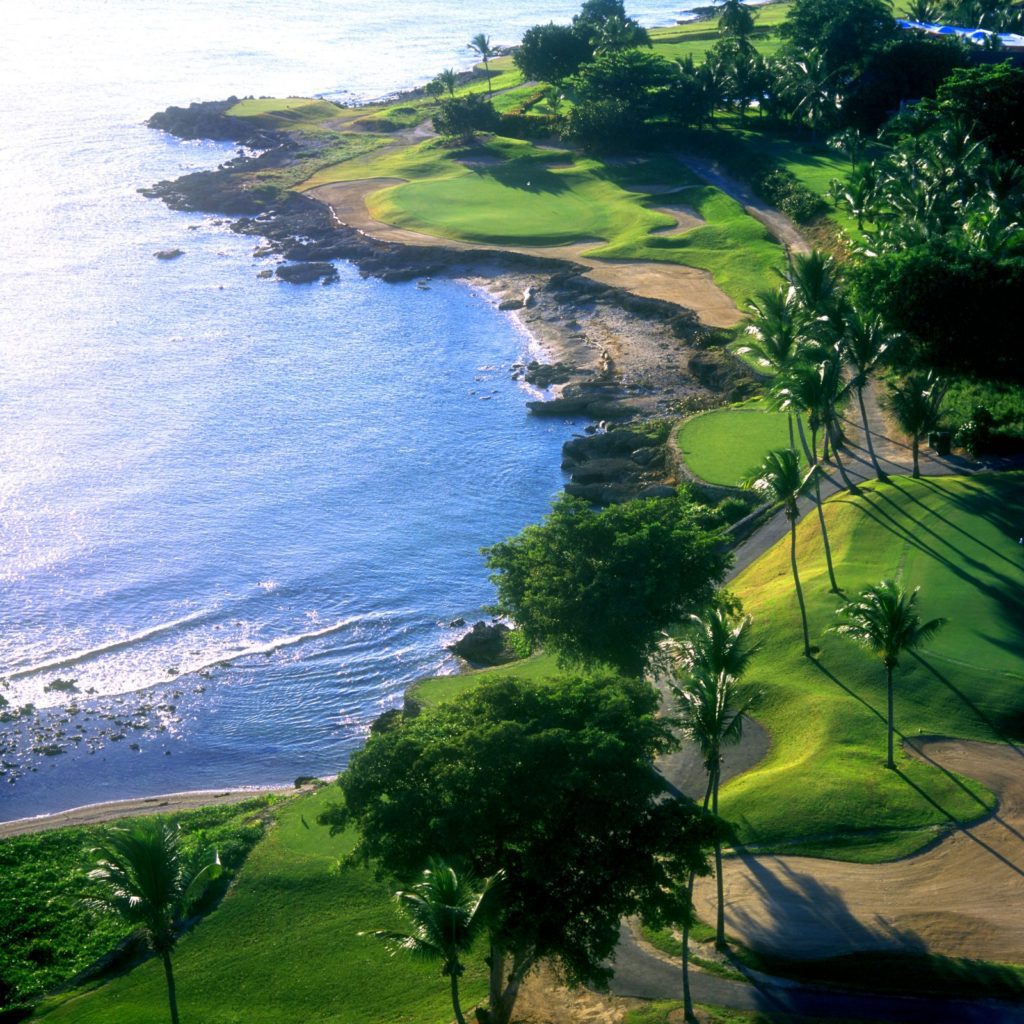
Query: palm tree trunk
[(867, 435), (914, 448), (850, 485), (688, 1013), (888, 672), (810, 456), (455, 995), (821, 521), (719, 881), (796, 583), (487, 71), (172, 996)]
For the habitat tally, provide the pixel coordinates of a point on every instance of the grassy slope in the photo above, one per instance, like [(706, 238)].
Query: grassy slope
[(521, 195), (723, 445), (823, 780), (822, 789), (283, 946), (695, 38)]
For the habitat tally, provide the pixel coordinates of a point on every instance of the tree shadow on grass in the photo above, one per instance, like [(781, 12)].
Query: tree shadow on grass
[(530, 178)]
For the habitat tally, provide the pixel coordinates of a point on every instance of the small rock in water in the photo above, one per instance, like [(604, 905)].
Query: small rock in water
[(169, 254)]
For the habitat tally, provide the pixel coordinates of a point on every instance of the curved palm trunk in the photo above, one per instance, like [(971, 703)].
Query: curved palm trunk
[(867, 435), (172, 996), (850, 485), (719, 881), (915, 447), (821, 521), (890, 763), (487, 72), (808, 453), (796, 583), (455, 996)]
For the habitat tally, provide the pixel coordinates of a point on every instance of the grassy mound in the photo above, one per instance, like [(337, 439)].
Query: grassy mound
[(822, 789), (723, 445), (284, 946)]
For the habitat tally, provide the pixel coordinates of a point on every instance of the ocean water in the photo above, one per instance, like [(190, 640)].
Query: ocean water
[(236, 517)]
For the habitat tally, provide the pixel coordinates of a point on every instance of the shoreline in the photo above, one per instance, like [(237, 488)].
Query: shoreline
[(131, 807)]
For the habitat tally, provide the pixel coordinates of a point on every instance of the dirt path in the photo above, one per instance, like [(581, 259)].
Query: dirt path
[(685, 286), (962, 898)]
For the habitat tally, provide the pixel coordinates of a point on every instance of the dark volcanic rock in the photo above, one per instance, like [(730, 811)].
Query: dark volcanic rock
[(483, 645), (304, 273), (169, 254)]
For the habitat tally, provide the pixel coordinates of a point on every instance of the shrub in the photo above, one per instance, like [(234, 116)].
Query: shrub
[(781, 188), (464, 115), (528, 126)]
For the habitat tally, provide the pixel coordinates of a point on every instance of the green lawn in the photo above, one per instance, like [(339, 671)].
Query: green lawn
[(283, 947), (508, 192), (822, 789), (695, 38), (723, 445)]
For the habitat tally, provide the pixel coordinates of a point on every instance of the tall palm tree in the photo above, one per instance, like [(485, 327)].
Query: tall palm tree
[(448, 78), (714, 656), (447, 912), (778, 479), (735, 20), (883, 619), (144, 878), (807, 388), (480, 44), (915, 403), (866, 344)]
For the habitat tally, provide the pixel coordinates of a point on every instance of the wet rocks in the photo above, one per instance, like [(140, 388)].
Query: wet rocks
[(169, 254), (483, 645), (305, 273)]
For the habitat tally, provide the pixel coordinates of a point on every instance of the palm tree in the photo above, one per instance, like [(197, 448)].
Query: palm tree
[(480, 44), (915, 404), (883, 619), (448, 79), (714, 656), (866, 344), (145, 878), (808, 389), (778, 479), (447, 914), (735, 20)]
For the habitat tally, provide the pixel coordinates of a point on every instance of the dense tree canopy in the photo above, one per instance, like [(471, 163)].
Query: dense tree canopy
[(551, 782), (600, 586), (551, 53), (844, 31)]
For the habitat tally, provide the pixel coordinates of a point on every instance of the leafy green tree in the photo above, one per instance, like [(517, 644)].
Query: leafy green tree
[(480, 44), (551, 782), (714, 656), (552, 53), (143, 875), (844, 31), (915, 402), (600, 586), (605, 23), (778, 480), (459, 117), (884, 619), (448, 79), (447, 912)]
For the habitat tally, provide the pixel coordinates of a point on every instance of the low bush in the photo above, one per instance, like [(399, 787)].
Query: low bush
[(781, 188), (987, 416)]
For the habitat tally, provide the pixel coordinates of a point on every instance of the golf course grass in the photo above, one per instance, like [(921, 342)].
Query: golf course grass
[(822, 790), (284, 947), (722, 446), (695, 38), (507, 192)]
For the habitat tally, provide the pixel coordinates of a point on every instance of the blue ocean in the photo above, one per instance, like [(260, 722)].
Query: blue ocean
[(237, 517)]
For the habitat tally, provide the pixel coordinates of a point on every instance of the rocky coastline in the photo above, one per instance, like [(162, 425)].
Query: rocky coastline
[(620, 358)]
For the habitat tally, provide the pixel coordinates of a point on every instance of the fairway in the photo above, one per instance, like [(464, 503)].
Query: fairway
[(284, 947), (507, 192), (823, 789), (724, 445)]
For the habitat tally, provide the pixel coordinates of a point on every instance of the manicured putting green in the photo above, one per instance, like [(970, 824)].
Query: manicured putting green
[(724, 445)]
